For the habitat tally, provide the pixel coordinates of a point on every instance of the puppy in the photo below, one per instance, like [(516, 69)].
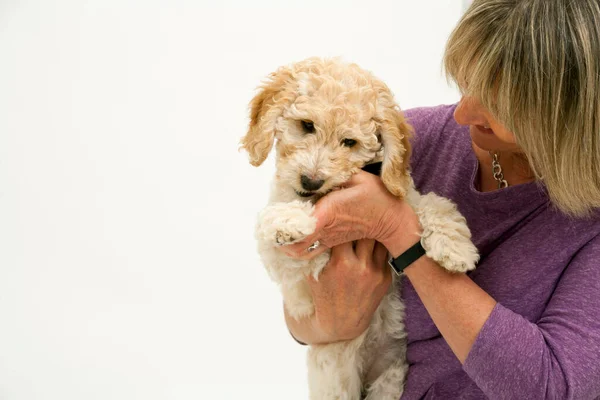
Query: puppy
[(328, 120)]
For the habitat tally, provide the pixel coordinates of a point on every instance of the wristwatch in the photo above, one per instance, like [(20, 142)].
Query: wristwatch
[(411, 255)]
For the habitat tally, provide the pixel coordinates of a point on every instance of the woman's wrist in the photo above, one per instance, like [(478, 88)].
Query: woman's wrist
[(404, 229)]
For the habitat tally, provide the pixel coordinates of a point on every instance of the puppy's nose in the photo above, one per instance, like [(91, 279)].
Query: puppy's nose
[(311, 184)]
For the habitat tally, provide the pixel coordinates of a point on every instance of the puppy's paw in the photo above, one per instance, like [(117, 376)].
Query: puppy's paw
[(453, 254), (286, 223), (300, 309), (288, 236), (446, 237), (465, 256)]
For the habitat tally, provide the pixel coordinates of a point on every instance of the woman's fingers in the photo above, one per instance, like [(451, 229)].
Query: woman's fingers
[(364, 248), (380, 255), (336, 222), (314, 244), (370, 250), (357, 179), (305, 250), (340, 254)]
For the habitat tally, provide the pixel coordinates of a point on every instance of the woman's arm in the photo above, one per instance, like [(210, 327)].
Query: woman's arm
[(506, 355), (556, 357), (457, 306)]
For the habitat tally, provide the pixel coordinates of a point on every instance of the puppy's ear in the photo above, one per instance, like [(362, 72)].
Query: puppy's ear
[(265, 108), (395, 133)]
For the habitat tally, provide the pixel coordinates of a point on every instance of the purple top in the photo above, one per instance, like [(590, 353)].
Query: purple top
[(542, 340)]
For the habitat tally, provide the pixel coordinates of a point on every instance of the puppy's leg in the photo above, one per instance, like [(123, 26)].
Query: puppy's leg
[(446, 237), (385, 348), (279, 223), (333, 371), (390, 384), (297, 297), (285, 223)]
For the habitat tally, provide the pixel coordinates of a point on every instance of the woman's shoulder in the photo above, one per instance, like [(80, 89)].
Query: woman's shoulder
[(430, 115), (582, 231), (436, 137), (434, 130), (431, 120)]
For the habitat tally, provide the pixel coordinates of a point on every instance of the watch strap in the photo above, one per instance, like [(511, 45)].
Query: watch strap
[(400, 263)]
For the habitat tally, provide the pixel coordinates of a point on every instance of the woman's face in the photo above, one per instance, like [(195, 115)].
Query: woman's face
[(486, 133)]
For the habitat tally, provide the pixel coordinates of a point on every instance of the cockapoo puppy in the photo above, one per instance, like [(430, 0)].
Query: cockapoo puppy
[(328, 120)]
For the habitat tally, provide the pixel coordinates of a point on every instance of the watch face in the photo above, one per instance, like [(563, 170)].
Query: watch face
[(391, 264)]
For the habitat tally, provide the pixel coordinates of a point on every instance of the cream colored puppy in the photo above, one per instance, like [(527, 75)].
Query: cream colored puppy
[(329, 119)]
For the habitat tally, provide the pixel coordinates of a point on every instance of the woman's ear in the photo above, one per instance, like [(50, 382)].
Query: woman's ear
[(264, 111), (395, 133)]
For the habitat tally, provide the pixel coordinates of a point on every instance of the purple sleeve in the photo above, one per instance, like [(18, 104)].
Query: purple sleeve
[(556, 358)]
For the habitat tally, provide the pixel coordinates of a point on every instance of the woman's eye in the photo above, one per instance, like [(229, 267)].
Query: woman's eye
[(348, 142), (308, 127)]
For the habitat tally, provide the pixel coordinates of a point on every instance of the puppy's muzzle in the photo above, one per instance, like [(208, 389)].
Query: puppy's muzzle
[(309, 184)]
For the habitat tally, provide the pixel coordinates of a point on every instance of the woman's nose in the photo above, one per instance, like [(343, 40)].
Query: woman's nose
[(470, 112)]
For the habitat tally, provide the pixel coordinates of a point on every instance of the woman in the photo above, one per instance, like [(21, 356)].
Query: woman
[(520, 155)]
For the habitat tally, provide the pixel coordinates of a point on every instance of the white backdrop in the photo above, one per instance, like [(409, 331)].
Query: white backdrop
[(128, 267)]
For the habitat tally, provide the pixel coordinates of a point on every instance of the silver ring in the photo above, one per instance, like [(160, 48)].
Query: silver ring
[(313, 246)]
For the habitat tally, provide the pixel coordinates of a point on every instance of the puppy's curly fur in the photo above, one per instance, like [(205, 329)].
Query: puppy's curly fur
[(329, 119)]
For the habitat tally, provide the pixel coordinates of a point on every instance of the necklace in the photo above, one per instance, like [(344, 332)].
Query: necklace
[(497, 169)]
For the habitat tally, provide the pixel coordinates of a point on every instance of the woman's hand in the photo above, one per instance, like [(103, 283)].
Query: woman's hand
[(347, 294), (362, 209), (360, 223)]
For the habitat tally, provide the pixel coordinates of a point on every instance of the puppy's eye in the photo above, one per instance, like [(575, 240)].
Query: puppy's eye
[(348, 142), (308, 127)]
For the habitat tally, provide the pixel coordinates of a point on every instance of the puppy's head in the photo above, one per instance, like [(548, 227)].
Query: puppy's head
[(329, 119)]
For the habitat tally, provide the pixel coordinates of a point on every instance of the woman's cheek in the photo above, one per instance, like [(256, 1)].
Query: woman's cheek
[(504, 134)]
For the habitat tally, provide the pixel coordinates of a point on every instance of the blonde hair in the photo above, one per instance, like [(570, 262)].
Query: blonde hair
[(535, 66)]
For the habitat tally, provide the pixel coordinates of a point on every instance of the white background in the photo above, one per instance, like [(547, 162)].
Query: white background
[(128, 267)]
